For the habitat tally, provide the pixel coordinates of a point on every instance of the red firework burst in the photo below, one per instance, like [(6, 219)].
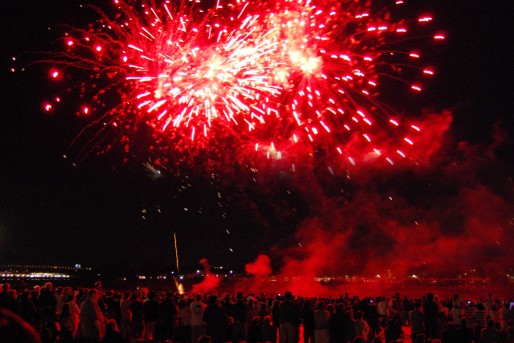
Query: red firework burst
[(276, 79)]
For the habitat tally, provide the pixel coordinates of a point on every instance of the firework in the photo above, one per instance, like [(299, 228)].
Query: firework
[(287, 79)]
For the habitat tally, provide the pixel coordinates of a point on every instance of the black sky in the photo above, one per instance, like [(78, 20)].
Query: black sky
[(52, 212)]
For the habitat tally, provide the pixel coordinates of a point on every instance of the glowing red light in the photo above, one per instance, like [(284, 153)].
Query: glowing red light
[(55, 74)]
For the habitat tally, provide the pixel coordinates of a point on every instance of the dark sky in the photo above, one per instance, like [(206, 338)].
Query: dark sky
[(102, 211)]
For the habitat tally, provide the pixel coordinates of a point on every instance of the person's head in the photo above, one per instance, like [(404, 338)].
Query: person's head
[(359, 315), (94, 294), (37, 289), (205, 339), (288, 295), (340, 307), (420, 338), (67, 291), (213, 300), (490, 323), (239, 295), (320, 305), (256, 321), (14, 329), (198, 297), (111, 325)]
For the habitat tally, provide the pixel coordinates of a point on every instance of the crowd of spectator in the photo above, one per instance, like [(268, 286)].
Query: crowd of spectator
[(66, 315)]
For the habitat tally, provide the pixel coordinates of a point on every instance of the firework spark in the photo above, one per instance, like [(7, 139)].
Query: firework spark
[(275, 79)]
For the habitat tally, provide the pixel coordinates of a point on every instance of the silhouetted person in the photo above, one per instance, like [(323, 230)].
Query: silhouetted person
[(307, 316), (465, 334), (7, 300), (27, 309), (339, 323), (417, 320), (183, 332), (490, 334), (407, 306), (480, 320), (362, 328), (138, 324), (215, 320), (197, 324), (269, 332), (150, 315), (66, 324), (289, 313), (450, 334), (321, 323), (126, 315), (92, 325), (168, 312), (48, 301), (255, 330), (240, 313), (431, 312)]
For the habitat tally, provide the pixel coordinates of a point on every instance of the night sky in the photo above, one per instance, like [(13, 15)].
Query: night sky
[(104, 211)]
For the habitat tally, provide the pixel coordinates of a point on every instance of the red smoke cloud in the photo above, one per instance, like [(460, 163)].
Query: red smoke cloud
[(210, 281), (260, 268), (444, 211)]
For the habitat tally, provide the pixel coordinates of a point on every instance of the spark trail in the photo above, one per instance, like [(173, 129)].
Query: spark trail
[(244, 80)]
